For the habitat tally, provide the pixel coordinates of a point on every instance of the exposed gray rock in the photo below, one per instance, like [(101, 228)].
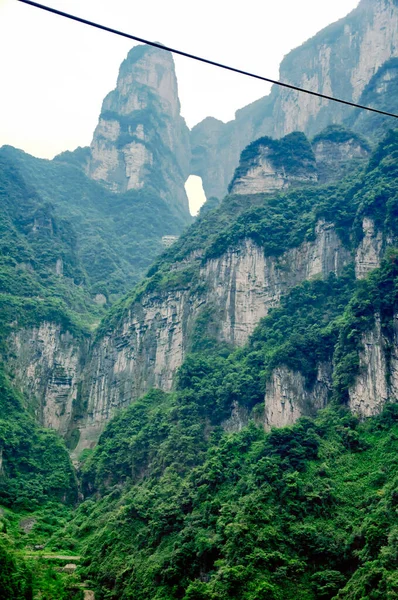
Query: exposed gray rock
[(141, 139), (46, 365), (289, 397), (369, 252), (339, 61), (377, 382), (267, 166), (146, 349), (337, 152), (239, 418), (27, 524)]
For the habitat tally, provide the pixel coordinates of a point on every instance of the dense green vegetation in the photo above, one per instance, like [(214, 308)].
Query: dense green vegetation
[(276, 223), (32, 578), (115, 236), (35, 466), (306, 512), (38, 482), (178, 508), (40, 273)]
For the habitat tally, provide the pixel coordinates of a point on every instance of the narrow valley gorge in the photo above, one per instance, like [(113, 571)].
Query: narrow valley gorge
[(214, 417)]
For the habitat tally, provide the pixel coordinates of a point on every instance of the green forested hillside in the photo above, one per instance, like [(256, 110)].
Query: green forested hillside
[(38, 485), (172, 505), (64, 240), (117, 236), (178, 508), (41, 275), (277, 223), (304, 512)]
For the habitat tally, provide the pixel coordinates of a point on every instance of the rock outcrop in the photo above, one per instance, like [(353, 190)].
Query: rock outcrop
[(369, 251), (142, 141), (342, 61), (268, 166), (337, 152), (289, 397), (141, 138), (153, 339), (377, 381), (46, 364)]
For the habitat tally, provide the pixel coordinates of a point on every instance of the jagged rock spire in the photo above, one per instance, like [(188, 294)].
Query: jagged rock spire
[(141, 138)]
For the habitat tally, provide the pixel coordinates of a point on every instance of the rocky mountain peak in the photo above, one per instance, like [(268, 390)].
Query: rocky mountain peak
[(347, 59), (145, 71), (141, 139), (268, 165)]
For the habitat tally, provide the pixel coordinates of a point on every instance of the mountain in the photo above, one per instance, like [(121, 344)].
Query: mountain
[(352, 59), (268, 469), (118, 220), (228, 427), (278, 227), (141, 136)]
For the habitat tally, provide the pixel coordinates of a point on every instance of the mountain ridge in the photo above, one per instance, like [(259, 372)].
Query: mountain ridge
[(232, 419)]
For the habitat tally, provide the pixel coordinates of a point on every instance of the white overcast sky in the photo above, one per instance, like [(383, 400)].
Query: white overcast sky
[(54, 73)]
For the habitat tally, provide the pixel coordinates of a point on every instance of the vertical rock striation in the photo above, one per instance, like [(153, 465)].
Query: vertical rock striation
[(46, 364), (369, 252), (289, 397), (338, 151), (152, 340), (141, 139), (341, 60), (377, 381)]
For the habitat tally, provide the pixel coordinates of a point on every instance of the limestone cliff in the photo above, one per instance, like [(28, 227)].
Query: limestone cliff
[(338, 151), (153, 338), (370, 249), (231, 263), (342, 60), (288, 396), (46, 364), (267, 165), (377, 381), (151, 341), (141, 138)]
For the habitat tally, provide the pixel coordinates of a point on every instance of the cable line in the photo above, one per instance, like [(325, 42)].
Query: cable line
[(204, 60)]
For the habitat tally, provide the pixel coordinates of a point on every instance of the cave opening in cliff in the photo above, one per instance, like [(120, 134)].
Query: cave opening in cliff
[(196, 194)]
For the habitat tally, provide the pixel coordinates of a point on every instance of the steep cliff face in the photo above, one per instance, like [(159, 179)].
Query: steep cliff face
[(141, 138), (288, 395), (370, 249), (236, 262), (154, 337), (46, 365), (338, 151), (377, 381), (381, 93), (341, 61), (141, 141)]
